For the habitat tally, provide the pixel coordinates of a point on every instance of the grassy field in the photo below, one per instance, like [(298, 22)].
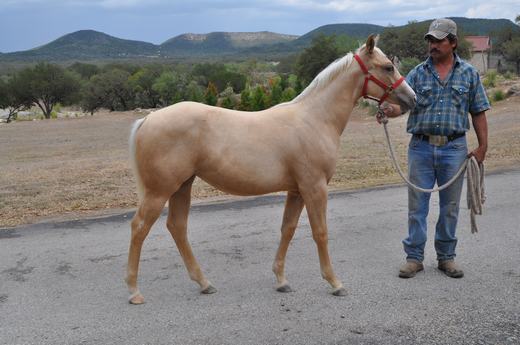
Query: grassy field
[(76, 167)]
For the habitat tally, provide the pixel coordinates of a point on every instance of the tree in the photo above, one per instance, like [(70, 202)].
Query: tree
[(170, 87), (275, 84), (512, 52), (288, 94), (228, 98), (12, 99), (108, 89), (245, 99), (218, 75), (194, 92), (45, 85), (141, 83), (211, 95), (314, 59), (258, 99), (85, 70)]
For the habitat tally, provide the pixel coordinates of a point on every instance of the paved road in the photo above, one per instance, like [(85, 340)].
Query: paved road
[(62, 283)]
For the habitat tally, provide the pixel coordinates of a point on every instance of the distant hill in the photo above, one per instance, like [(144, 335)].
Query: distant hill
[(220, 42), (94, 45), (483, 27), (353, 30), (86, 45)]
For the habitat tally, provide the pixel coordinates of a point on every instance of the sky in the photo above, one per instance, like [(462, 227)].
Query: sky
[(26, 24)]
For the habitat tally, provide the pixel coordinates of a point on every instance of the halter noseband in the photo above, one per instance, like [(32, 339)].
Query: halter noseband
[(388, 88)]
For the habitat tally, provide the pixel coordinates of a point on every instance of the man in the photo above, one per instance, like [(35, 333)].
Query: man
[(447, 88)]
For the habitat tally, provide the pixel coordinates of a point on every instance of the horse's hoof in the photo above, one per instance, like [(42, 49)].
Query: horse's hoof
[(136, 299), (209, 290), (340, 292), (284, 288)]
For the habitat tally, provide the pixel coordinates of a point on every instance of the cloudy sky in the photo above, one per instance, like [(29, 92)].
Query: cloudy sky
[(25, 24)]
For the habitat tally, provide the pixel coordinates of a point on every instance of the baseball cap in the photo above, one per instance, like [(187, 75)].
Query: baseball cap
[(441, 28)]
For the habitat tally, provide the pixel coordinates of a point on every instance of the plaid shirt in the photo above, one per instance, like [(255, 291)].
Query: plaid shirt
[(442, 107)]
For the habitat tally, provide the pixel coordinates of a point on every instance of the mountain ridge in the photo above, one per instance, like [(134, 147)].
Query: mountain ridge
[(96, 45)]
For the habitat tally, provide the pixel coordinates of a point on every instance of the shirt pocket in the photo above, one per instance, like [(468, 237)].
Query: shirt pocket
[(424, 95), (460, 95)]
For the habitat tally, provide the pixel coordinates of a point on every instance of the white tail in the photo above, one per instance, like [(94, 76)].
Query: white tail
[(133, 163)]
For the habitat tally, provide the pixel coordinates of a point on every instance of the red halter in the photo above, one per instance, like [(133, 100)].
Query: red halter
[(388, 89)]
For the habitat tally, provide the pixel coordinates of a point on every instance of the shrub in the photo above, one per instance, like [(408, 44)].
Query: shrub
[(490, 80), (498, 95), (407, 64), (509, 75)]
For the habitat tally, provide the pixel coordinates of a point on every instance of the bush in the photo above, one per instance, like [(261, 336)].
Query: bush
[(490, 80), (509, 75), (407, 64), (498, 95)]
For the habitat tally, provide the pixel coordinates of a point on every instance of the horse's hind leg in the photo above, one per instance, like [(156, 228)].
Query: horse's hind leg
[(291, 215), (149, 210), (177, 224)]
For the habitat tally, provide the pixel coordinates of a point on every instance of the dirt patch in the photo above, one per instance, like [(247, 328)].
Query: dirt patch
[(77, 167)]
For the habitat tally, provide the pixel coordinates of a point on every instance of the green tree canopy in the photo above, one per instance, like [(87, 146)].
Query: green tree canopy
[(314, 59), (219, 75), (12, 97), (46, 84), (141, 83), (211, 95), (108, 89), (85, 70), (512, 52)]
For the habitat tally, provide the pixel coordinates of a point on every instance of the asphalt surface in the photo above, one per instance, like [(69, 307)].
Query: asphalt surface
[(62, 283)]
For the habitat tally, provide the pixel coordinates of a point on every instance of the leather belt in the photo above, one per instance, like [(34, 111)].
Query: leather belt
[(438, 140)]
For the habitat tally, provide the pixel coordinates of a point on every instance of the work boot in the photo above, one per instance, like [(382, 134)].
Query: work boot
[(410, 268), (450, 269)]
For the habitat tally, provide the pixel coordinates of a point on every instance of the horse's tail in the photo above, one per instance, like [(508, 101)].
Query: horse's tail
[(133, 162)]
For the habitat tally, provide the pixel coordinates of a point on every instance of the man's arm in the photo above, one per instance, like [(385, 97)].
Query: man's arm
[(481, 129)]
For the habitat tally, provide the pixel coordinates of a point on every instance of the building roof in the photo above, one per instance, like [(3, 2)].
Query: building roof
[(480, 43)]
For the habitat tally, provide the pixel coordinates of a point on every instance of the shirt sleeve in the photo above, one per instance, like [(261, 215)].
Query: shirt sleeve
[(478, 98), (410, 78)]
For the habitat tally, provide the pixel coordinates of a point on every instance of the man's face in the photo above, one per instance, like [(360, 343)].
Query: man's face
[(440, 49)]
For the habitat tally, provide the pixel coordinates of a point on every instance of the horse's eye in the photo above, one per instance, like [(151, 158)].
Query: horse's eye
[(389, 68)]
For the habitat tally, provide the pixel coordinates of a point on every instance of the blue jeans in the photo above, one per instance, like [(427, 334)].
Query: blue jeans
[(428, 164)]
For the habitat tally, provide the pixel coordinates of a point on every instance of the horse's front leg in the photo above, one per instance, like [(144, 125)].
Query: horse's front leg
[(315, 199), (293, 209)]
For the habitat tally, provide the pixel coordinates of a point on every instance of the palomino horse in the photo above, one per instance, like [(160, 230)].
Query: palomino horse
[(291, 147)]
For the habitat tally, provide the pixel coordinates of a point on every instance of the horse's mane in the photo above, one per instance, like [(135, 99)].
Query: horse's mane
[(325, 76)]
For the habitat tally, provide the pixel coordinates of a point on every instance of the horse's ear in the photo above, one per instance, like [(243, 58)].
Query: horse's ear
[(371, 43)]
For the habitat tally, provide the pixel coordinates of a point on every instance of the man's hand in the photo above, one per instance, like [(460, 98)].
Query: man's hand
[(479, 153), (390, 110)]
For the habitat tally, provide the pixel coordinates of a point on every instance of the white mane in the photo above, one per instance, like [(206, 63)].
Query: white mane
[(325, 76)]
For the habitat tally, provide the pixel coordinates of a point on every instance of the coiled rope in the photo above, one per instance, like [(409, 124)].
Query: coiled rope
[(474, 174)]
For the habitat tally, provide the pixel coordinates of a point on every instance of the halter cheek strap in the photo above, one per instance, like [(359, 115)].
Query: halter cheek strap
[(388, 88)]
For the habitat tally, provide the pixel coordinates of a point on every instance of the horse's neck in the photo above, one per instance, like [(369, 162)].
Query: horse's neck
[(333, 104)]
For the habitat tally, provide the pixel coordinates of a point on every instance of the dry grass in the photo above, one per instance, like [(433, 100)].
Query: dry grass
[(70, 168)]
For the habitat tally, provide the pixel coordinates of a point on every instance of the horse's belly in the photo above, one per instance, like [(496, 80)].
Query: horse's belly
[(241, 182)]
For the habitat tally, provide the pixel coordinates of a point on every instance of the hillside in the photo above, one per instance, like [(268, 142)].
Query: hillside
[(220, 42), (84, 45), (93, 45)]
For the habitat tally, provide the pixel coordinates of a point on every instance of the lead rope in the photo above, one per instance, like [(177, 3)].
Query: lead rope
[(474, 173)]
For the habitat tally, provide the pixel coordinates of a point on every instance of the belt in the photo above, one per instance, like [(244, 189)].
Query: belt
[(439, 140)]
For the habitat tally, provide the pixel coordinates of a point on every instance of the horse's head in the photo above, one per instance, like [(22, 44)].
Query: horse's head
[(382, 79)]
